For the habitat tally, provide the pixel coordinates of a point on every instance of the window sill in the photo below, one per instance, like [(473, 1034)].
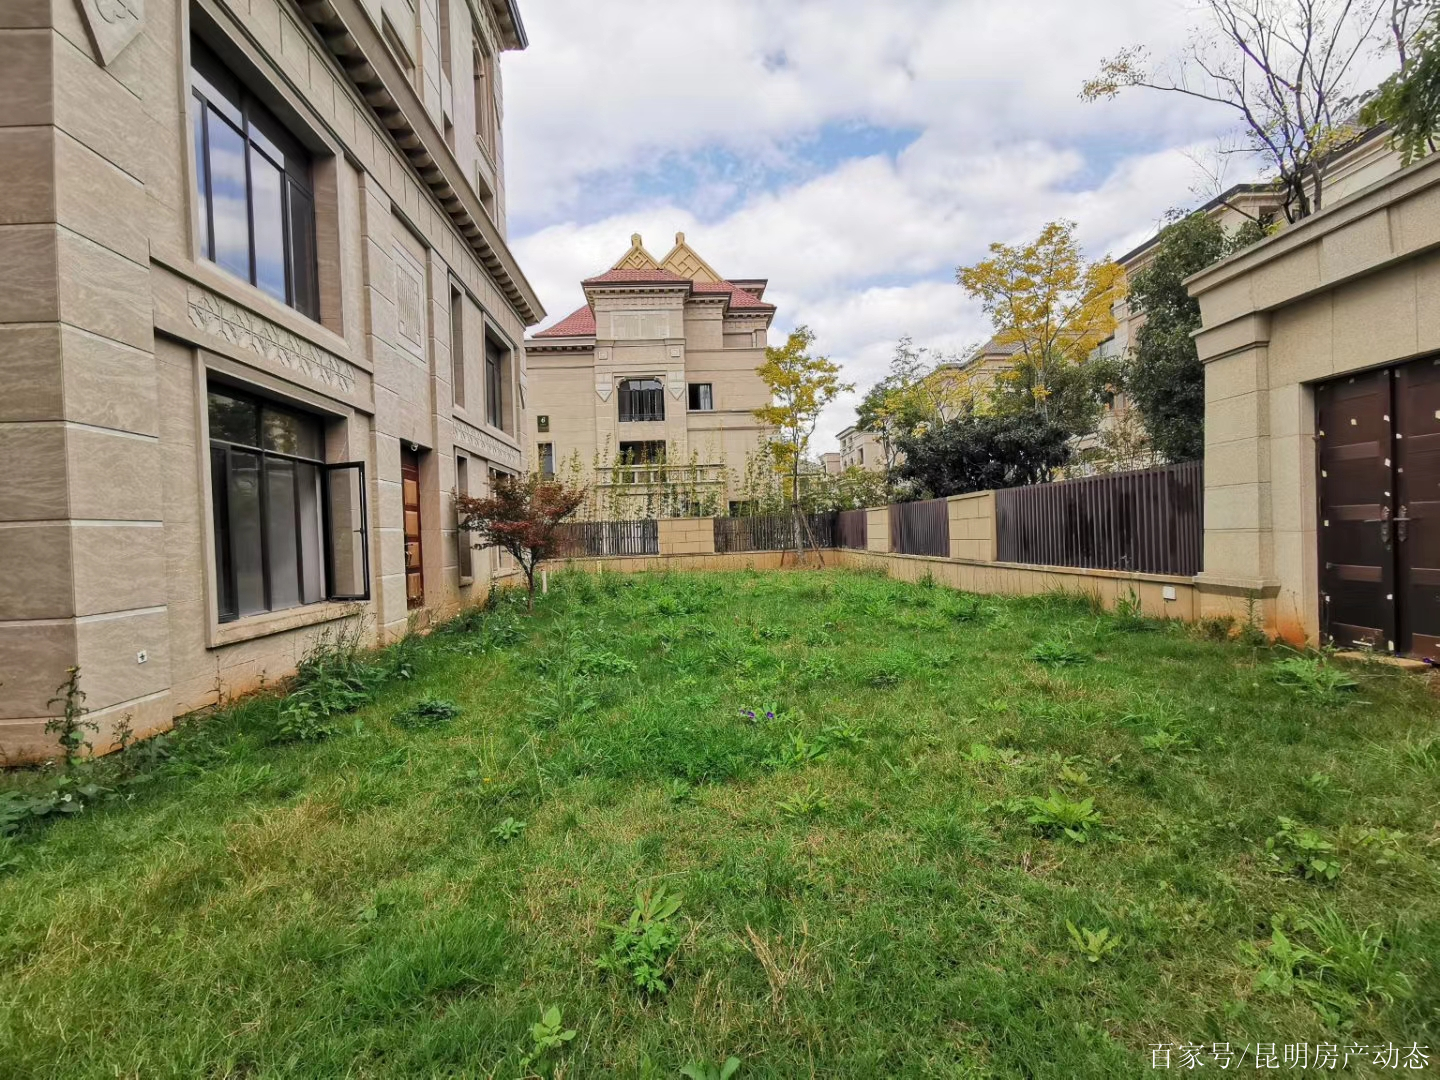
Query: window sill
[(467, 579), (278, 622)]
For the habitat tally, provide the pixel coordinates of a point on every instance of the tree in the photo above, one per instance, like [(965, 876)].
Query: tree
[(1043, 297), (1284, 67), (1165, 377), (801, 386), (983, 453), (1409, 100), (897, 403), (522, 516)]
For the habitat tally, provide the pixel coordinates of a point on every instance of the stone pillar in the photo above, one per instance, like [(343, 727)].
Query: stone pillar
[(972, 526), (81, 513), (877, 529), (1239, 517)]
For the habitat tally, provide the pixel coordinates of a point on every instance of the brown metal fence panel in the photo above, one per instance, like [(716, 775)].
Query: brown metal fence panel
[(586, 538), (920, 528), (1148, 522), (771, 532), (850, 529)]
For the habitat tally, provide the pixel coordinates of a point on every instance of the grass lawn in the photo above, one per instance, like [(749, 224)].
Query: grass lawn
[(873, 878)]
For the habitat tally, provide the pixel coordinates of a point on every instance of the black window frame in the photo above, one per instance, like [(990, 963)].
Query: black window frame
[(464, 540), (696, 395), (224, 450), (641, 400), (648, 455), (215, 91)]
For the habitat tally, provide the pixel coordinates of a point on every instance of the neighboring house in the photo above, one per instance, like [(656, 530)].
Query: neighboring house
[(830, 463), (861, 450), (652, 385), (258, 319)]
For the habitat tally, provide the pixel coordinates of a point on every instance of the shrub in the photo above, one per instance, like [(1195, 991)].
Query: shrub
[(1311, 677)]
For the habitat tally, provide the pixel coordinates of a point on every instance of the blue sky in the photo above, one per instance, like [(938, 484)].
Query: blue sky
[(852, 152)]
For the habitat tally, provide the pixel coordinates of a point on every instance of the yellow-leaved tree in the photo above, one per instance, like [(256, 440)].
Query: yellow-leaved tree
[(1046, 299), (801, 386)]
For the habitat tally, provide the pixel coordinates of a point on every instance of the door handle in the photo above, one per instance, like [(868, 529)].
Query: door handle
[(1384, 522), (1402, 520)]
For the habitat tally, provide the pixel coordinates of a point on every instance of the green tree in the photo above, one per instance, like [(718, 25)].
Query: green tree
[(984, 453), (801, 386), (1044, 297), (897, 403), (1409, 100), (1165, 378)]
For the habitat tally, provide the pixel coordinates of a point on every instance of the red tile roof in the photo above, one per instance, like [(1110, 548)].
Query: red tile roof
[(579, 323), (618, 277), (739, 298)]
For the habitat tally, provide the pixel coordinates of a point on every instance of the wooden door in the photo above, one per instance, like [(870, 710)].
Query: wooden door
[(1417, 512), (410, 498), (1356, 494)]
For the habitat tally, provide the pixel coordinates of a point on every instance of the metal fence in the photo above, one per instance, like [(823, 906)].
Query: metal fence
[(1148, 521), (920, 528), (850, 529), (771, 532), (581, 538)]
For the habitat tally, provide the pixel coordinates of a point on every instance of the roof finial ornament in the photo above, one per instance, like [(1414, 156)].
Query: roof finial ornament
[(635, 239), (679, 238)]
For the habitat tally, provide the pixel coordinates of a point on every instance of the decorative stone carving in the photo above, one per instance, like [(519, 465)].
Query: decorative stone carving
[(242, 328), (113, 24), (675, 383), (674, 352), (604, 387), (486, 445), (409, 304), (602, 354)]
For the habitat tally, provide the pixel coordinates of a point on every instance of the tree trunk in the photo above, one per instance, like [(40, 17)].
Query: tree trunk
[(795, 512)]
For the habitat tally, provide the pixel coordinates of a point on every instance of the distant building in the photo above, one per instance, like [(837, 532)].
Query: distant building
[(861, 450), (651, 386), (830, 462)]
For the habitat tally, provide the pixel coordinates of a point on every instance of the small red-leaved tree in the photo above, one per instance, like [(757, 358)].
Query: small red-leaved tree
[(522, 516)]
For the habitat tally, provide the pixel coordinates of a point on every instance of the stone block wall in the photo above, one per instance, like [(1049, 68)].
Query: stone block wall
[(972, 526)]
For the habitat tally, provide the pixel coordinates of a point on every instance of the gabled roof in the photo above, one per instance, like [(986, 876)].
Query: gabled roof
[(686, 261), (579, 323), (740, 299)]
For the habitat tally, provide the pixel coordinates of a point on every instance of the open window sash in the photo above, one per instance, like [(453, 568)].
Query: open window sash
[(347, 536)]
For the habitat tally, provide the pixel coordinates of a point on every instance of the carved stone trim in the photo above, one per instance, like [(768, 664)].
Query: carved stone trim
[(675, 383), (220, 318), (486, 445), (604, 387), (113, 24)]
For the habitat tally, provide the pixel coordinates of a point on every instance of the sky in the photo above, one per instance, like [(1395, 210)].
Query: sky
[(853, 152)]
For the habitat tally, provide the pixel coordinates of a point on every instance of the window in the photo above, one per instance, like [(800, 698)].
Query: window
[(484, 96), (289, 529), (257, 205), (862, 455), (640, 400), (650, 452), (547, 459), (494, 383), (701, 398), (457, 345), (463, 537)]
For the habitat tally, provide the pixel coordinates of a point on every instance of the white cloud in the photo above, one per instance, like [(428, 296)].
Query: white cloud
[(862, 249)]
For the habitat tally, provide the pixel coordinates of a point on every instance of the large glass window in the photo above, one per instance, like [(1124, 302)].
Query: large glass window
[(641, 399), (289, 529), (257, 206), (702, 399)]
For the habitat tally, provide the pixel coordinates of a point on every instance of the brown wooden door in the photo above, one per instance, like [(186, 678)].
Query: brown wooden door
[(1417, 507), (1356, 489), (410, 498)]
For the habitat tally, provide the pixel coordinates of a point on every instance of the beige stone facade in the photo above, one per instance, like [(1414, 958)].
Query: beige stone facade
[(648, 392), (860, 450), (242, 243), (1348, 290)]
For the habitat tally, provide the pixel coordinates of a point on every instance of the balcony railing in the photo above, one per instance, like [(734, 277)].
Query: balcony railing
[(660, 475)]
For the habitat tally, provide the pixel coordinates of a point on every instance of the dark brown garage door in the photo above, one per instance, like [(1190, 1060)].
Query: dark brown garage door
[(1378, 435)]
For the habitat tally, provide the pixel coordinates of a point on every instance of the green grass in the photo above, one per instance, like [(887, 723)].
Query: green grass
[(878, 880)]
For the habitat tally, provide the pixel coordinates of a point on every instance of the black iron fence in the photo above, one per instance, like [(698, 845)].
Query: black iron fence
[(850, 529), (920, 528), (1148, 521), (581, 538), (772, 532)]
